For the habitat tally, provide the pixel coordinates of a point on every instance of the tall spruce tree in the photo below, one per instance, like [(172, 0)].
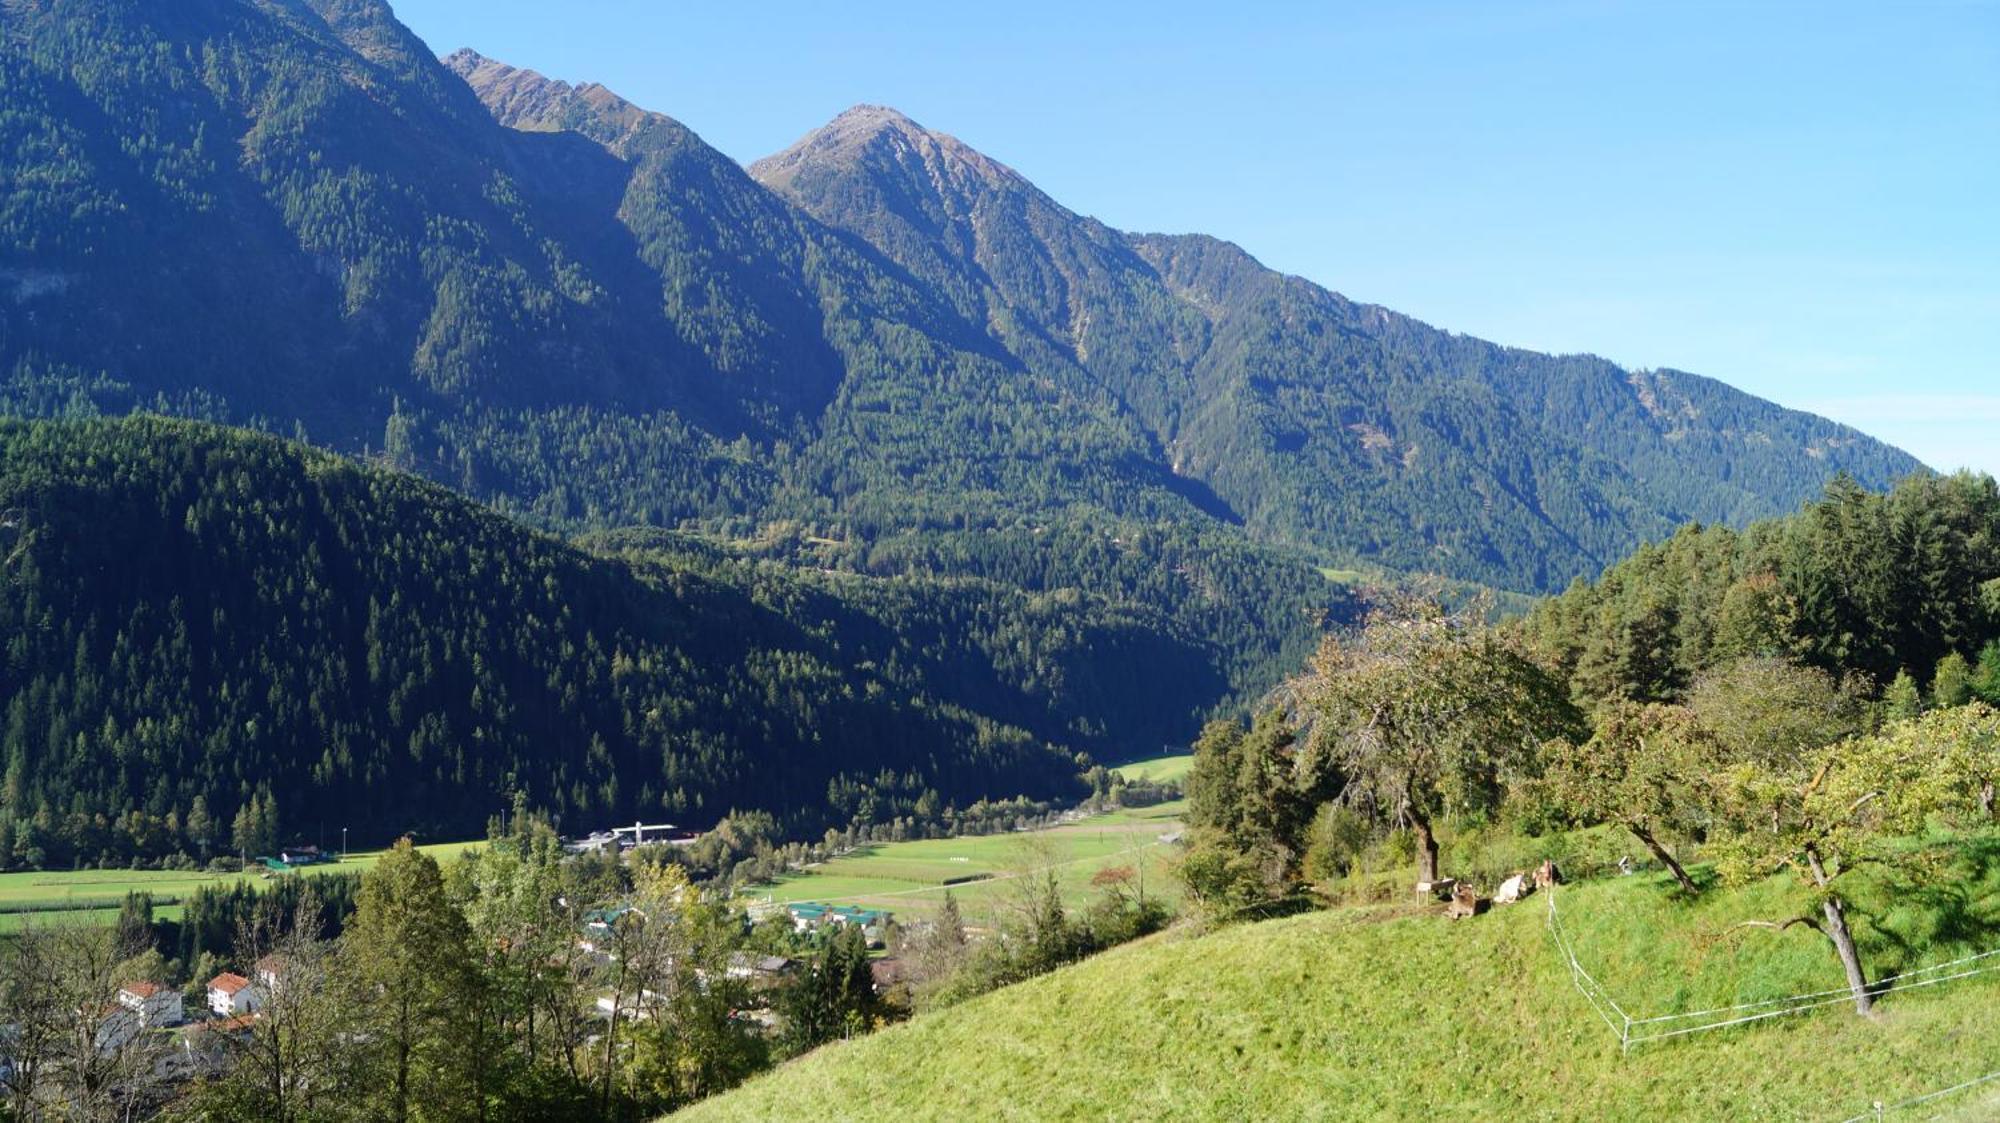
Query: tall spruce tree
[(406, 966)]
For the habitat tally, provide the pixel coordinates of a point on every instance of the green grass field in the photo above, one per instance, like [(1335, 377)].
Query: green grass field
[(1160, 769), (1392, 1012), (910, 878), (96, 894)]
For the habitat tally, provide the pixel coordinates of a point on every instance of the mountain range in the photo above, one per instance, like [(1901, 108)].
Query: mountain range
[(879, 354), (290, 213)]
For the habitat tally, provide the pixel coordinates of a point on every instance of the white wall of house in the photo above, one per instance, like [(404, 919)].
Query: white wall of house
[(161, 1008), (228, 1005)]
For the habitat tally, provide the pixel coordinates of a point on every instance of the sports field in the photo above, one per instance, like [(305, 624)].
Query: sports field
[(910, 878)]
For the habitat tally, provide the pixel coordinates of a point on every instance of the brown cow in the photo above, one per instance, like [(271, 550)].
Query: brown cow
[(1465, 902), (1547, 875)]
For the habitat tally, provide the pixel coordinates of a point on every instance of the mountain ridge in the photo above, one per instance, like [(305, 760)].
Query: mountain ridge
[(1202, 342), (897, 356)]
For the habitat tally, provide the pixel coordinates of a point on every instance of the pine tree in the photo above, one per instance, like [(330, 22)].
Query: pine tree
[(243, 830), (1986, 677)]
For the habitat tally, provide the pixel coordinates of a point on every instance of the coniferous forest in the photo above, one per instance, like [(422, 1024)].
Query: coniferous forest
[(201, 621)]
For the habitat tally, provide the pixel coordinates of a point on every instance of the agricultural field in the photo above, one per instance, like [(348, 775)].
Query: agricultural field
[(59, 895), (910, 878), (1159, 769)]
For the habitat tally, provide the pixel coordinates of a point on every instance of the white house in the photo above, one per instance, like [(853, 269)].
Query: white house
[(154, 1004), (231, 994), (269, 971), (117, 1027), (637, 1007)]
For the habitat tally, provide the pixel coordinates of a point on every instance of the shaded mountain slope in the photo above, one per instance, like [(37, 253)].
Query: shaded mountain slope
[(193, 611)]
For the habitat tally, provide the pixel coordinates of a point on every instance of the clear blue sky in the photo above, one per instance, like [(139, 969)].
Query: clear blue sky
[(1800, 199)]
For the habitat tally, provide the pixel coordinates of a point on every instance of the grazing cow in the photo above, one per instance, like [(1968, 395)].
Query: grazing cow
[(1465, 902), (1547, 875), (1513, 889)]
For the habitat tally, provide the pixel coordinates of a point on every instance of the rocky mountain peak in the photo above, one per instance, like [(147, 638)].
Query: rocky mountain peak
[(873, 135)]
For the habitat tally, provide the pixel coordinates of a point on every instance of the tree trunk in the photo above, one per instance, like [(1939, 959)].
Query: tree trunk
[(611, 1033), (1427, 848), (1986, 798), (1666, 858), (1843, 940)]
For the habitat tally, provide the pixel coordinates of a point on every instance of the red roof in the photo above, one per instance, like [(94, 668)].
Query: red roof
[(141, 990), (228, 982)]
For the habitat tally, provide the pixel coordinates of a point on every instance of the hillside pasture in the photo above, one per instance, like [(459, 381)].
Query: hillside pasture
[(1389, 1011), (1172, 768)]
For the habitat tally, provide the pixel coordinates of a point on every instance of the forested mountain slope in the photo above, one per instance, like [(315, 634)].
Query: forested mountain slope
[(581, 311), (1312, 418), (880, 352), (198, 615)]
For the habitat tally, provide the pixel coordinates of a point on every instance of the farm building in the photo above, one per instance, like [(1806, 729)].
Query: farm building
[(810, 916), (759, 969)]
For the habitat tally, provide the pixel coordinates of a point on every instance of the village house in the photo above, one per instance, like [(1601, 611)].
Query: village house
[(759, 970), (204, 1046), (633, 1007), (231, 995), (152, 1004), (269, 972), (117, 1026), (598, 925), (296, 857)]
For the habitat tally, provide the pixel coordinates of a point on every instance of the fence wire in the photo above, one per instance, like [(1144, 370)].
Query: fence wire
[(1634, 1031), (1883, 1111)]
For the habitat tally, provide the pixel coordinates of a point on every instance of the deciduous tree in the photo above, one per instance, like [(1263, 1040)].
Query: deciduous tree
[(405, 966), (1826, 811), (1647, 768), (1423, 712)]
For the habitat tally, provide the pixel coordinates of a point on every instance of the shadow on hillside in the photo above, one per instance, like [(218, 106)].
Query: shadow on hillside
[(1945, 907), (1705, 881)]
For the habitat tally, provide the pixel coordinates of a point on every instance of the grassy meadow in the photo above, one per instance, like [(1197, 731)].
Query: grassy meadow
[(49, 896), (1159, 769), (910, 878), (1388, 1011)]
